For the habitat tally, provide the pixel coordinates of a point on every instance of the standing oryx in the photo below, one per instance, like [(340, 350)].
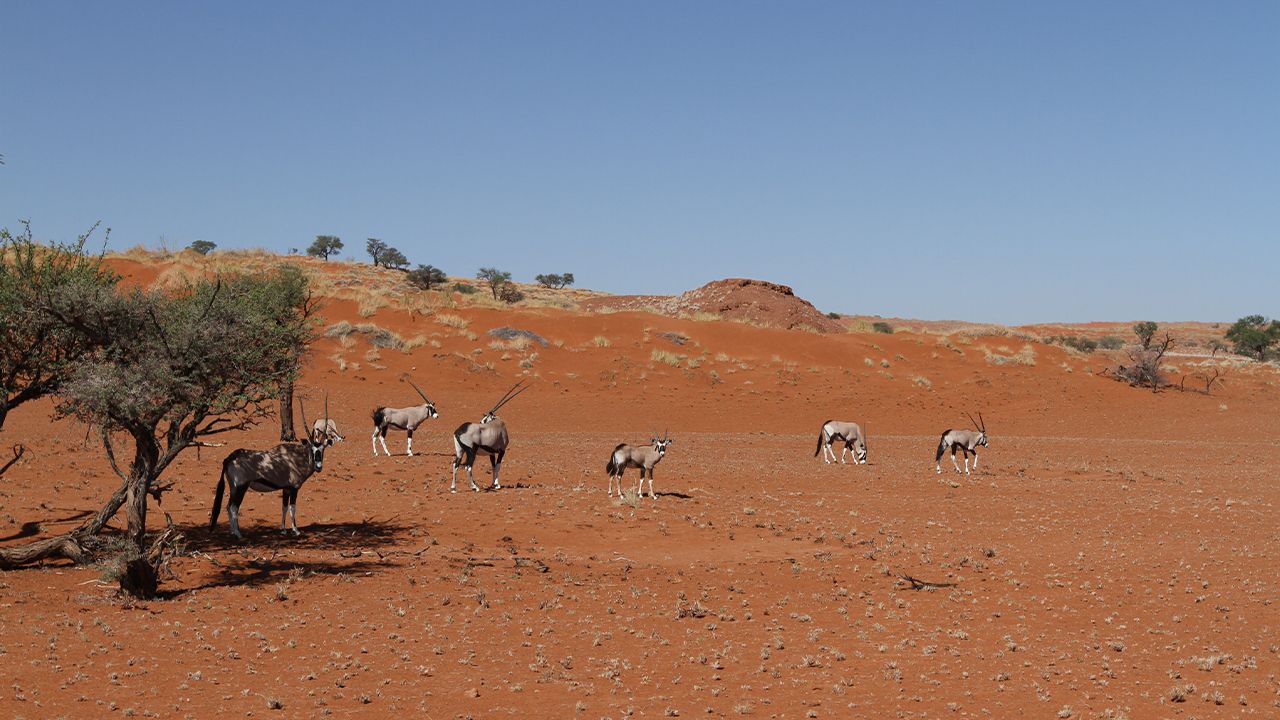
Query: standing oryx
[(283, 468), (407, 419), (326, 430), (850, 433), (489, 436), (967, 441), (625, 456)]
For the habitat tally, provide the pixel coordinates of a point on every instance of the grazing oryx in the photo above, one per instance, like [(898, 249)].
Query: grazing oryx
[(283, 468), (407, 419), (966, 441), (489, 436), (326, 430), (625, 456), (850, 433)]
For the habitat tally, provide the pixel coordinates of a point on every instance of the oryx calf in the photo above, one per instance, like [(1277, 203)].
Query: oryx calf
[(850, 433), (283, 468), (966, 441), (643, 457), (407, 419), (489, 436)]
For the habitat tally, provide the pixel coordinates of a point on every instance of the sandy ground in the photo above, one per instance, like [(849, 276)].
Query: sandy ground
[(1114, 555)]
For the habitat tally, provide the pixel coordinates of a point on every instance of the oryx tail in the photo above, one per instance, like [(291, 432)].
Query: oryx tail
[(217, 496)]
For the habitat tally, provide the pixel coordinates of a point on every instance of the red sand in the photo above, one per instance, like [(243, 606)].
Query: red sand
[(1116, 549)]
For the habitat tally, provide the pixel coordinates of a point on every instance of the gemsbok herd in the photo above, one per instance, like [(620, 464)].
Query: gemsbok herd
[(287, 466)]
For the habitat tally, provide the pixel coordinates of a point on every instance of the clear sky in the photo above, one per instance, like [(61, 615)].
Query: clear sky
[(990, 161)]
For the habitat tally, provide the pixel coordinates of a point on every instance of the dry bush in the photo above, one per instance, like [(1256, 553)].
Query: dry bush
[(667, 358), (454, 321), (1025, 356), (601, 341)]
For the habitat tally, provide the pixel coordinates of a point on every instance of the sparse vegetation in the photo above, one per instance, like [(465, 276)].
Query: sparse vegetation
[(882, 327), (1253, 335), (427, 277), (557, 282), (1145, 331), (204, 247), (494, 278)]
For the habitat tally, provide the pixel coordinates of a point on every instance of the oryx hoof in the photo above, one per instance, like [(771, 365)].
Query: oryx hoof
[(295, 532)]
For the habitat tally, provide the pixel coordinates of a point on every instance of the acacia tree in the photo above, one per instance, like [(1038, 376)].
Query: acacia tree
[(376, 249), (324, 246), (1254, 335), (1145, 331), (204, 247), (35, 350), (427, 277), (167, 370), (495, 278)]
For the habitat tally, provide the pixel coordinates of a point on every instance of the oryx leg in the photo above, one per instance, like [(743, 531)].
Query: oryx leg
[(381, 435), (374, 439), (293, 511), (827, 452), (975, 458), (233, 508), (844, 450), (409, 446), (497, 466), (953, 458), (652, 494), (284, 510)]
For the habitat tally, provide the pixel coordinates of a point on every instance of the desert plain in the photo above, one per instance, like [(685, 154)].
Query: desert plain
[(1113, 556)]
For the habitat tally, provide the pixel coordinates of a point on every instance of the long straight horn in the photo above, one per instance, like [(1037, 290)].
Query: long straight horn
[(509, 396), (326, 413), (975, 422), (305, 425), (982, 424), (415, 387)]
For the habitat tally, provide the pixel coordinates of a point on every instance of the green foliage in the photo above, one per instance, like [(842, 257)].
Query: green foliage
[(426, 277), (394, 259), (325, 246), (557, 282), (204, 247), (495, 279), (833, 315), (465, 289), (1110, 342), (376, 249), (36, 350), (882, 327), (1075, 342), (510, 294), (1145, 330), (1254, 335)]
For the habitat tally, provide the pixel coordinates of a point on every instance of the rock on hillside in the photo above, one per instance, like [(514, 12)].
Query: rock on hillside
[(752, 301)]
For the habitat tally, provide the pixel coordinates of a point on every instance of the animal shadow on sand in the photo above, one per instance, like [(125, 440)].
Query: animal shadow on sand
[(267, 555)]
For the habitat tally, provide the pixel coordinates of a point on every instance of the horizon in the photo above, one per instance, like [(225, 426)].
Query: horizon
[(1000, 163)]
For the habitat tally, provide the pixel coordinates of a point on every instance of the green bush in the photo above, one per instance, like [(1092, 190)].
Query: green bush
[(882, 327)]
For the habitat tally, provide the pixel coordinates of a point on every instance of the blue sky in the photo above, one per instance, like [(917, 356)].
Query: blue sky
[(990, 161)]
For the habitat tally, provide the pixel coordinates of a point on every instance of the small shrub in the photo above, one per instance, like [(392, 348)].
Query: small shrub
[(667, 358), (1110, 342), (453, 321), (465, 289), (601, 341), (510, 294), (833, 315), (514, 334), (882, 327)]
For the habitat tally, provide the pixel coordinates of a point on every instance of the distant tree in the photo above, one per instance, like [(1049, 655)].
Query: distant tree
[(427, 277), (376, 249), (1145, 330), (495, 279), (394, 259), (557, 282), (37, 351), (882, 327), (1254, 335), (324, 246), (1110, 342), (1145, 368), (510, 294), (204, 247)]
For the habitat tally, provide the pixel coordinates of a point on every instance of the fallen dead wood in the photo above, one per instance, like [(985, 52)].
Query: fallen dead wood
[(918, 584)]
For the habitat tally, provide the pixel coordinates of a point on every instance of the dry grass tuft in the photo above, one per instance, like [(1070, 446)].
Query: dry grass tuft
[(666, 358), (1005, 356), (456, 322)]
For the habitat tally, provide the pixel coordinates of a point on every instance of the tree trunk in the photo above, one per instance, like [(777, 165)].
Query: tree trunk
[(64, 546), (146, 455), (286, 415)]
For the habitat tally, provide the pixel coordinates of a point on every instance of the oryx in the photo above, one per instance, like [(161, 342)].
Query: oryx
[(407, 419), (283, 468), (326, 430), (850, 433), (967, 441), (637, 456), (489, 436)]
